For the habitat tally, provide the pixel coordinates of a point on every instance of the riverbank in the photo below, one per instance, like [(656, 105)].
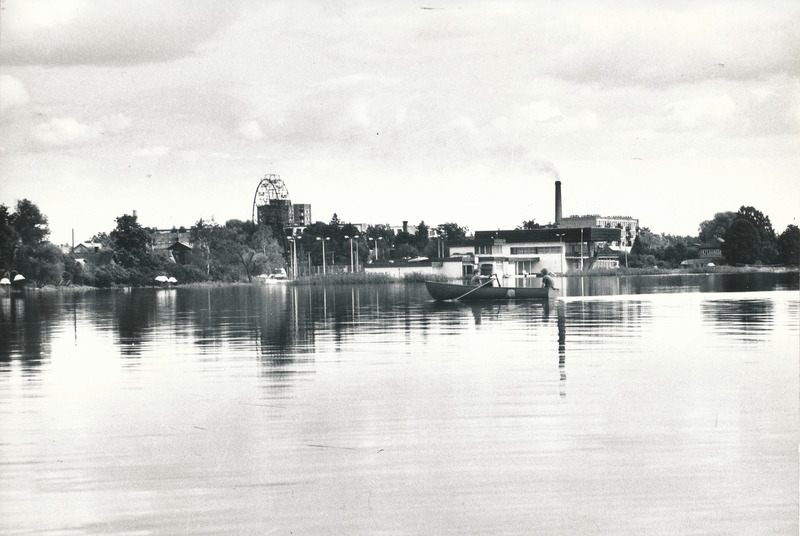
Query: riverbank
[(687, 270), (362, 278)]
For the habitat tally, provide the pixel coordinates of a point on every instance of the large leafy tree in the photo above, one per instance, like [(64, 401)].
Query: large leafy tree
[(421, 236), (768, 250), (742, 243), (453, 231), (29, 223), (23, 244), (43, 263), (8, 239), (789, 245), (130, 241), (716, 227), (753, 243)]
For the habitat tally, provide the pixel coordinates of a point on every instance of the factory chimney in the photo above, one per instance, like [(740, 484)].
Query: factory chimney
[(558, 203)]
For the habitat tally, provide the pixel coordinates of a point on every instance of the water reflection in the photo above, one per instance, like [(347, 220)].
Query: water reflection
[(562, 348), (374, 410), (747, 319), (680, 283)]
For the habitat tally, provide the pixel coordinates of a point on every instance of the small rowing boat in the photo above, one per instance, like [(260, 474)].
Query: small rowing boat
[(450, 291)]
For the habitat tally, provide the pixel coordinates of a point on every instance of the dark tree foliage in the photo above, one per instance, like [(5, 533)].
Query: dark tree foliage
[(421, 236), (529, 224), (650, 249), (8, 239), (130, 241), (23, 245), (452, 231), (742, 243), (716, 227), (29, 223), (768, 250), (789, 246), (750, 238), (43, 263)]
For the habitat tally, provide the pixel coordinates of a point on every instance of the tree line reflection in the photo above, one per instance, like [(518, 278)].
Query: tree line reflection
[(286, 325)]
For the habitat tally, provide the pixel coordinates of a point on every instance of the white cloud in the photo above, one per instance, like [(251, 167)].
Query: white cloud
[(159, 150), (67, 131), (35, 14), (190, 156), (73, 32), (540, 111), (582, 120), (711, 109), (113, 123), (64, 131), (12, 92), (251, 130)]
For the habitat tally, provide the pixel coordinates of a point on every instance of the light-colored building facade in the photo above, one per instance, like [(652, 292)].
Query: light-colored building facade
[(629, 227), (520, 253)]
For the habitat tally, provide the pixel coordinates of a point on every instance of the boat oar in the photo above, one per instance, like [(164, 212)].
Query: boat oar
[(474, 289)]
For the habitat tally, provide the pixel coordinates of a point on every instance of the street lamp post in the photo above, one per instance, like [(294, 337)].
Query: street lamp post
[(292, 239), (561, 244), (375, 240), (324, 262), (356, 249), (351, 252)]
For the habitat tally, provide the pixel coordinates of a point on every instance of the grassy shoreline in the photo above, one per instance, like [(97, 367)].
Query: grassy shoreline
[(361, 278)]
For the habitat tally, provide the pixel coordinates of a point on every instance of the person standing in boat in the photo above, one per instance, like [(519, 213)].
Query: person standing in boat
[(547, 281)]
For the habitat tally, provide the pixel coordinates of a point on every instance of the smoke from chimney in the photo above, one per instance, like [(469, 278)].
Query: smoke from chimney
[(558, 203)]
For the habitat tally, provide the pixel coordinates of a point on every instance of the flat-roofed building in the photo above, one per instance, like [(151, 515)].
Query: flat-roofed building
[(523, 252), (629, 227)]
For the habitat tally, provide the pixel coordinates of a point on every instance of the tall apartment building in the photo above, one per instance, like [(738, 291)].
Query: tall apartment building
[(629, 227)]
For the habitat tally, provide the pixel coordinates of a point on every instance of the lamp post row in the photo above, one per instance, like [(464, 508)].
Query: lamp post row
[(353, 252)]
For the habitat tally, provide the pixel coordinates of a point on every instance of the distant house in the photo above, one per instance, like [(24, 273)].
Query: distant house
[(605, 257), (85, 248), (165, 238), (706, 254), (710, 250), (180, 252), (101, 257)]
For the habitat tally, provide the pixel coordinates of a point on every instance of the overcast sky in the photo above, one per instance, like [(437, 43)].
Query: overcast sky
[(386, 111)]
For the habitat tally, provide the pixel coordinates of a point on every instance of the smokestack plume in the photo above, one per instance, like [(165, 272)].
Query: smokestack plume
[(558, 203)]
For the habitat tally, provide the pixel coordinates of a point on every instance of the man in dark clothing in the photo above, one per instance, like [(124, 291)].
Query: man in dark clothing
[(547, 281)]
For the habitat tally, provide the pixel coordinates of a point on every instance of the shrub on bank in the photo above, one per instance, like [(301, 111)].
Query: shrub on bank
[(343, 278), (419, 277)]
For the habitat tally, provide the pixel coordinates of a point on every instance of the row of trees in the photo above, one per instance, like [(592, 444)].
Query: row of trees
[(239, 250), (23, 245), (744, 237), (234, 251), (379, 241)]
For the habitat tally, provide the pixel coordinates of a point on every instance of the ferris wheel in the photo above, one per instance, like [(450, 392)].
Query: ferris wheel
[(270, 191)]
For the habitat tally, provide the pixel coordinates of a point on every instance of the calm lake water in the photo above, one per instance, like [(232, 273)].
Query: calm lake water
[(635, 405)]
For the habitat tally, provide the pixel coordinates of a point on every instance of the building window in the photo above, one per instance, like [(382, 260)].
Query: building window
[(525, 267), (483, 250), (536, 250)]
